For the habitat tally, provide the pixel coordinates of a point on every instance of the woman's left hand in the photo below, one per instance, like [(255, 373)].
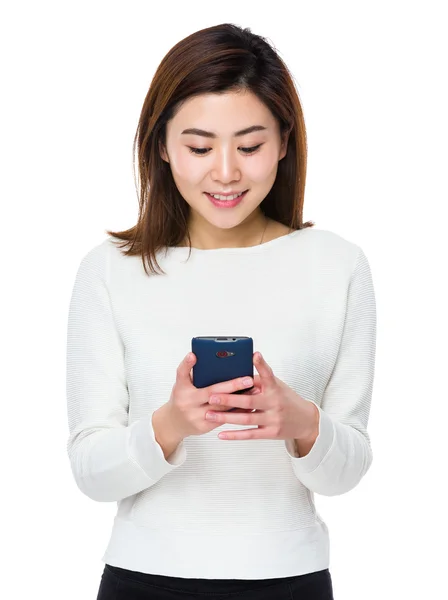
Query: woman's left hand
[(279, 412)]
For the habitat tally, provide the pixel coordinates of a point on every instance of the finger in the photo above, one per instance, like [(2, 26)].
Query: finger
[(257, 381), (228, 387), (219, 407), (236, 418), (254, 433), (245, 401), (184, 369), (267, 378)]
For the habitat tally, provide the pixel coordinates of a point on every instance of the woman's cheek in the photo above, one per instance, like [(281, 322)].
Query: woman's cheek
[(186, 167), (262, 169)]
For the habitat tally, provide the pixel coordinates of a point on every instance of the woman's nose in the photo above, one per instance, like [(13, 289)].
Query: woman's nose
[(226, 166)]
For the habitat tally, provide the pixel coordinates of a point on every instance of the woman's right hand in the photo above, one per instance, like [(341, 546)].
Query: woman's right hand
[(188, 404)]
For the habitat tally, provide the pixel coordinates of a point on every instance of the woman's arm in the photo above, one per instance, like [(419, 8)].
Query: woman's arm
[(110, 459), (341, 453)]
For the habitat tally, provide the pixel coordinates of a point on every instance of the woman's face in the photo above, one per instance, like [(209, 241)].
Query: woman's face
[(217, 161)]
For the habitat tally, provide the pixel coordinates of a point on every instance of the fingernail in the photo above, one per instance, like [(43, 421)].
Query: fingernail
[(247, 381)]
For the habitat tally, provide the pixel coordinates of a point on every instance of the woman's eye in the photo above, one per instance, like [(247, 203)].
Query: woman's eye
[(203, 151)]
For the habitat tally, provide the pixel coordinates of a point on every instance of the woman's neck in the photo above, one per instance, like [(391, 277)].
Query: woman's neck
[(242, 236)]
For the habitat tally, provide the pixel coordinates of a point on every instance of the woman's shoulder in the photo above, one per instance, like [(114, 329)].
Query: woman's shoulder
[(275, 230), (318, 241)]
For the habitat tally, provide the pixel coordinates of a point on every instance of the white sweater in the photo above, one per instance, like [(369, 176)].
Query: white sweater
[(220, 509)]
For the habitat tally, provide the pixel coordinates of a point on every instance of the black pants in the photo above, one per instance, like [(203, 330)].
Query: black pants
[(121, 584)]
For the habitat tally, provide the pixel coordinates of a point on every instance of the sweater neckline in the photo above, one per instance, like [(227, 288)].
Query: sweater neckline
[(282, 239)]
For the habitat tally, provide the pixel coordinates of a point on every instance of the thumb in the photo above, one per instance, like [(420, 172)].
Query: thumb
[(257, 381), (183, 374)]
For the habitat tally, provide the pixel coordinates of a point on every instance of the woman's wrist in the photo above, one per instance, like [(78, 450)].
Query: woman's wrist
[(167, 438)]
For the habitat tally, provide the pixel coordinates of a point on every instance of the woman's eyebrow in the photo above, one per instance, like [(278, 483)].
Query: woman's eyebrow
[(210, 134)]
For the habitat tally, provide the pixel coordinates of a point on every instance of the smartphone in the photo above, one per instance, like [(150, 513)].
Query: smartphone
[(221, 359)]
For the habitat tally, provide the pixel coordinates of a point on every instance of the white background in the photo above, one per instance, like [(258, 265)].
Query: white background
[(372, 80)]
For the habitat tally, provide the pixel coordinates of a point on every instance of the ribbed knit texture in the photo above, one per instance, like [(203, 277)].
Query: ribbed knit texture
[(220, 509)]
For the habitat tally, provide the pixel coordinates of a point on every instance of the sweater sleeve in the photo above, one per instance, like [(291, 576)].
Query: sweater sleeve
[(341, 454), (110, 459)]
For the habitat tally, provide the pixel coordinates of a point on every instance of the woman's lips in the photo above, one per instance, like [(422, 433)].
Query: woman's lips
[(226, 203)]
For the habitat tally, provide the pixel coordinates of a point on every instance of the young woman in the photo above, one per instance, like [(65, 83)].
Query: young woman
[(211, 501)]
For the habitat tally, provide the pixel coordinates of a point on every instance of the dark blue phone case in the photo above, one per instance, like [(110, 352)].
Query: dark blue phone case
[(221, 359)]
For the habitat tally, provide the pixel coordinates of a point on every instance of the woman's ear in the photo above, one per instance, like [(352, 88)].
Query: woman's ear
[(163, 152), (284, 145)]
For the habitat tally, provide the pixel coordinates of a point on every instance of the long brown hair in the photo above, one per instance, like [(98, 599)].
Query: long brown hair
[(217, 59)]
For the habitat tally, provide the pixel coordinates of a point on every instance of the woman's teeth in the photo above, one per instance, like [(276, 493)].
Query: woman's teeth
[(226, 197)]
